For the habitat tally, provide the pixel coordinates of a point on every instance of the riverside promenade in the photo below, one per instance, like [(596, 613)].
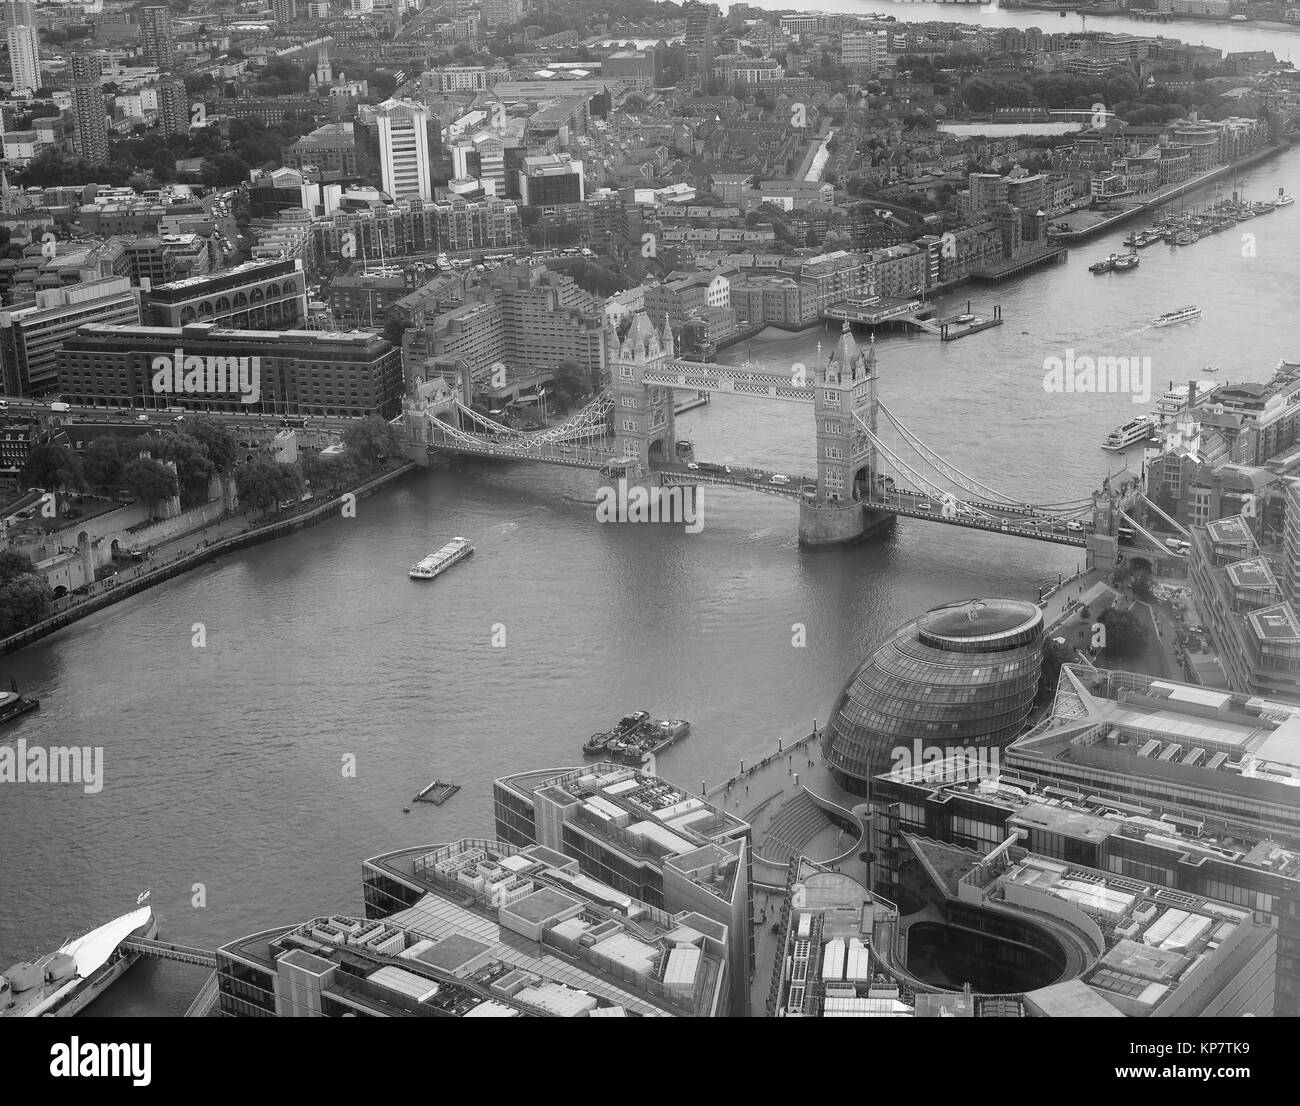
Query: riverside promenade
[(198, 547)]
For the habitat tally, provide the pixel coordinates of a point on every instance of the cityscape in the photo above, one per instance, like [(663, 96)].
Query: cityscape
[(720, 511)]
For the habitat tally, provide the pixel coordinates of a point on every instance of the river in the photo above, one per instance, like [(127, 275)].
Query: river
[(224, 764), (1226, 36)]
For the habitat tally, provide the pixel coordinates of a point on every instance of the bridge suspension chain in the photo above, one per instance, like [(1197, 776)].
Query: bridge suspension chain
[(923, 482), (945, 468), (966, 482)]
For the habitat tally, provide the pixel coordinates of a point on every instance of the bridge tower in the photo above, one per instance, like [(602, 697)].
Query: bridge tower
[(644, 425), (846, 458)]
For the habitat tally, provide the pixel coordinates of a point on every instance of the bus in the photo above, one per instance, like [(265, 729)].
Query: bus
[(1126, 533)]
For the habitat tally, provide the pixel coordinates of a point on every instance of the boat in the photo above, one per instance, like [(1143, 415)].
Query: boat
[(1185, 237), (1284, 198), (1211, 368), (597, 743), (963, 319), (12, 705), (437, 563), (1105, 265), (1181, 315), (1132, 432), (1262, 207), (1127, 262), (637, 737), (61, 983)]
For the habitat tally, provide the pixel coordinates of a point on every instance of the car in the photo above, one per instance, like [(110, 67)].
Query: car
[(779, 478), (142, 418), (1072, 525), (925, 505), (4, 405), (692, 466), (179, 418)]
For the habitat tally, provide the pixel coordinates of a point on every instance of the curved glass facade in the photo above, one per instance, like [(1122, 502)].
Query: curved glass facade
[(961, 677)]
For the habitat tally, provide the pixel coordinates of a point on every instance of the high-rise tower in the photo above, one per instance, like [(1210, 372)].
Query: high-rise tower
[(91, 135), (156, 37)]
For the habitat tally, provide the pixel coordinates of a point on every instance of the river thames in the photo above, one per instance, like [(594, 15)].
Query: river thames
[(223, 765)]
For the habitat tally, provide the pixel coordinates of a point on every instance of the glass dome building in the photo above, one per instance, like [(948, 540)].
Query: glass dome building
[(962, 677)]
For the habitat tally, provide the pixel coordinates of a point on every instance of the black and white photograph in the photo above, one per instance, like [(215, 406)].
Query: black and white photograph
[(639, 509)]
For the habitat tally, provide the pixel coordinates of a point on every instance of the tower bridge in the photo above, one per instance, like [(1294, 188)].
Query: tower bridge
[(870, 468)]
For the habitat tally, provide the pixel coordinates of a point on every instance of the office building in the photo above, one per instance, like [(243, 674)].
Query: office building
[(257, 295), (502, 13), (644, 837), (1232, 756), (404, 149), (1009, 932), (863, 52), (1255, 630), (1191, 851), (31, 335), (285, 12), (301, 372), (157, 41), (482, 929), (89, 113), (958, 680), (550, 179)]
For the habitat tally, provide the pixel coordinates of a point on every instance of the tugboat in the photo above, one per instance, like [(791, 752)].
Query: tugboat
[(1105, 265), (1284, 198), (12, 705), (599, 743), (1127, 262)]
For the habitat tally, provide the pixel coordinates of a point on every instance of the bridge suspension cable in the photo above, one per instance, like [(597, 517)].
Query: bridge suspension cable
[(966, 482), (923, 482)]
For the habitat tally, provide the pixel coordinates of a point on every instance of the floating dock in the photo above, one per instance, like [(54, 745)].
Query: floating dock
[(437, 792)]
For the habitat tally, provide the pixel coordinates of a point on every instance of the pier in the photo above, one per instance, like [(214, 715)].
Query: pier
[(1014, 266), (952, 329)]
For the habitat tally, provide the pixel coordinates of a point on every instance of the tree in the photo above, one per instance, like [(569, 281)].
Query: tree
[(1126, 636), (52, 467), (215, 439), (24, 600), (260, 485), (571, 380), (193, 468), (328, 473), (371, 442), (104, 460), (1141, 584), (1054, 656), (149, 481)]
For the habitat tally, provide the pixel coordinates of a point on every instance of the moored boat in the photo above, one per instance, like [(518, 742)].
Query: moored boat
[(1136, 430), (61, 983)]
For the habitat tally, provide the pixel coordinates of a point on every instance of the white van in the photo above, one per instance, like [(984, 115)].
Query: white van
[(780, 478)]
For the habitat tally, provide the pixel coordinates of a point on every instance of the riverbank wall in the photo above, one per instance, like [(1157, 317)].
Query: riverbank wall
[(162, 573)]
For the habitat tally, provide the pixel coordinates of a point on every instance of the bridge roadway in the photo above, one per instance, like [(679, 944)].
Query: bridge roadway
[(159, 416), (1018, 521)]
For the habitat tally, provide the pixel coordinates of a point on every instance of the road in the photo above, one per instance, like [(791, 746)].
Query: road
[(159, 416)]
